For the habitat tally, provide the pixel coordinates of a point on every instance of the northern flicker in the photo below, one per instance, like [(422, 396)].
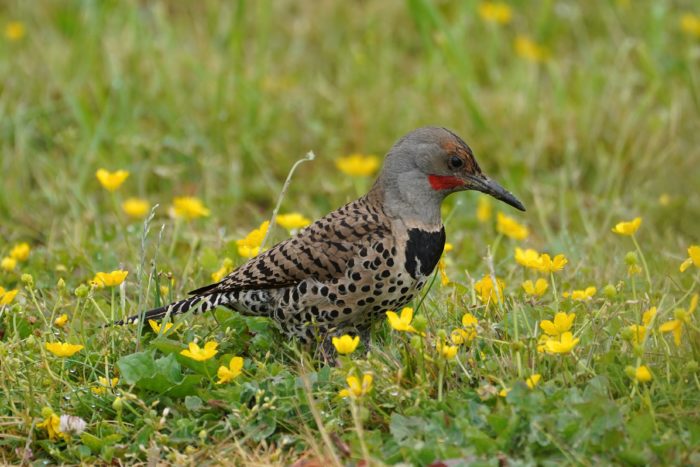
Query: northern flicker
[(347, 269)]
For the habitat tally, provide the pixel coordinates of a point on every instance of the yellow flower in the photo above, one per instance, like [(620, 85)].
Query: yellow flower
[(548, 265), (356, 389), (6, 296), (495, 12), (63, 349), (628, 228), (111, 181), (469, 322), (561, 324), (223, 271), (459, 336), (156, 326), (109, 279), (537, 289), (20, 252), (200, 354), (510, 227), (358, 165), (61, 320), (293, 221), (345, 344), (487, 292), (530, 50), (249, 246), (448, 352), (14, 30), (564, 344), (531, 382), (529, 258), (188, 208), (448, 247), (51, 424), (580, 295), (693, 258), (636, 333), (8, 264), (402, 323), (642, 374), (648, 315), (483, 209), (104, 384), (227, 374), (442, 268), (690, 24), (682, 317), (136, 208)]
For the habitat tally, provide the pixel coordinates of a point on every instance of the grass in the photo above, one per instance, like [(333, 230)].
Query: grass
[(219, 100)]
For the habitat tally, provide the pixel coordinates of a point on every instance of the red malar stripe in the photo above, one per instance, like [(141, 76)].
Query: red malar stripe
[(444, 182)]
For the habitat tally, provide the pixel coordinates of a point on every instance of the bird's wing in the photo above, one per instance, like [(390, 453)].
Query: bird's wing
[(321, 251)]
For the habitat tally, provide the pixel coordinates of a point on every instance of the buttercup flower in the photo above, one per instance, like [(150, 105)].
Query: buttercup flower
[(483, 209), (469, 322), (537, 289), (223, 271), (20, 252), (200, 354), (548, 265), (227, 374), (156, 326), (510, 227), (448, 352), (531, 382), (6, 296), (628, 228), (8, 264), (14, 31), (293, 221), (61, 320), (356, 389), (693, 258), (51, 423), (495, 12), (564, 344), (189, 208), (529, 258), (682, 317), (249, 246), (690, 24), (402, 323), (136, 208), (530, 50), (104, 384), (648, 315), (487, 292), (358, 165), (561, 324), (345, 344), (642, 374), (111, 181), (109, 279), (63, 349), (580, 295)]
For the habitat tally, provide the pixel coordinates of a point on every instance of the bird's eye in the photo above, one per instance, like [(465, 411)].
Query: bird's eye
[(455, 162)]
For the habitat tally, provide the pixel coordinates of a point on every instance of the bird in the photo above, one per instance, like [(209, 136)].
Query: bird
[(343, 272)]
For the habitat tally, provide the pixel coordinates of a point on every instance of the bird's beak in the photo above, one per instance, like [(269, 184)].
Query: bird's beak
[(490, 187)]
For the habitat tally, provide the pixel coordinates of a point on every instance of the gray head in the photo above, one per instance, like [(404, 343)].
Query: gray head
[(425, 166)]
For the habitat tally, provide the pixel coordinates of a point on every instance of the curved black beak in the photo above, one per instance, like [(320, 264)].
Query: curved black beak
[(490, 187)]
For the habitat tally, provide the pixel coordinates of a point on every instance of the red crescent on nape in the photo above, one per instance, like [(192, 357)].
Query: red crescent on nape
[(444, 182)]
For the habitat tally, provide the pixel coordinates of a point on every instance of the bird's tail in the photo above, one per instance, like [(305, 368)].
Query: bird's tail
[(198, 304)]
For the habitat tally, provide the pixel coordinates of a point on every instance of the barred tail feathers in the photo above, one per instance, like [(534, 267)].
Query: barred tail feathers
[(200, 304)]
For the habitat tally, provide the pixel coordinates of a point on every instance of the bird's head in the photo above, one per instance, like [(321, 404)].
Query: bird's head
[(428, 164)]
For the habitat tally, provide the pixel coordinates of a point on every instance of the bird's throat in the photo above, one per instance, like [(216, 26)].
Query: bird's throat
[(444, 182)]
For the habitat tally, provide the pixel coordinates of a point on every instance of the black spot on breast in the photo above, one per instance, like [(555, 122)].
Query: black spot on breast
[(423, 251)]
